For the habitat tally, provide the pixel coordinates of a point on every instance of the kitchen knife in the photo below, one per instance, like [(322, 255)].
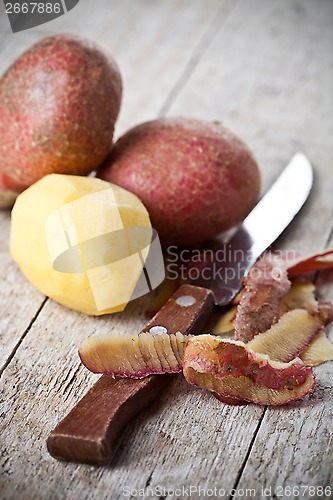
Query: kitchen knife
[(259, 230), (89, 431)]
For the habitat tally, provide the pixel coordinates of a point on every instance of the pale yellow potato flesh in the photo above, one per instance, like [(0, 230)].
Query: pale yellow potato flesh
[(86, 208)]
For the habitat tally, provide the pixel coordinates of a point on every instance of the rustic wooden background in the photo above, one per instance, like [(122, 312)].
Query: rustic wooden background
[(265, 68)]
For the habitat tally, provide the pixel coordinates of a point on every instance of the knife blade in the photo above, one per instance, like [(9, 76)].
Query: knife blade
[(259, 230), (279, 206), (88, 432)]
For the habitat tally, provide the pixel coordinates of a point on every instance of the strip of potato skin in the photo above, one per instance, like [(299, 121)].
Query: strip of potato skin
[(290, 336), (326, 309), (301, 295), (196, 371), (243, 388), (263, 290), (316, 262), (293, 333), (133, 355), (224, 357), (319, 351)]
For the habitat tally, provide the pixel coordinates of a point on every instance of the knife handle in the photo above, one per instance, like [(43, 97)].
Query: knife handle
[(88, 432)]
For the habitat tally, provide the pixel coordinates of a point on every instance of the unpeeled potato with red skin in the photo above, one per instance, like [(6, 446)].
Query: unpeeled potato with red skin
[(196, 178), (58, 105)]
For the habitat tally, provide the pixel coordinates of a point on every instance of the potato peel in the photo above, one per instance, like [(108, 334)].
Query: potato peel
[(296, 318), (316, 262), (278, 329), (230, 369), (301, 295), (225, 357), (326, 309), (243, 388), (259, 305), (319, 351), (133, 355), (292, 334)]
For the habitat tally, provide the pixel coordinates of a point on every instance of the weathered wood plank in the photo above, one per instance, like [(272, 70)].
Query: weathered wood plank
[(148, 58), (45, 378), (268, 76), (297, 441), (188, 438), (171, 438), (19, 302)]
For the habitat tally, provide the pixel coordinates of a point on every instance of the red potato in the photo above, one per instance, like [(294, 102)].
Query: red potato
[(58, 105), (195, 178)]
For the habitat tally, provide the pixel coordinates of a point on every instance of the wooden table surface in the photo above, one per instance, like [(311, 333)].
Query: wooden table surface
[(264, 68)]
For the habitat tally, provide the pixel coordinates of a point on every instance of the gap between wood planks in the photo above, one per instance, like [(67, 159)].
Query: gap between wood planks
[(217, 22), (24, 334)]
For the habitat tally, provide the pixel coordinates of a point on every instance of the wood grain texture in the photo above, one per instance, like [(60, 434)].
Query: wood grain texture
[(19, 302), (297, 441), (138, 21), (268, 76), (45, 378), (265, 69), (153, 41)]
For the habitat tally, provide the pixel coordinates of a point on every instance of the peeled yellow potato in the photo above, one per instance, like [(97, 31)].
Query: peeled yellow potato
[(82, 241)]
